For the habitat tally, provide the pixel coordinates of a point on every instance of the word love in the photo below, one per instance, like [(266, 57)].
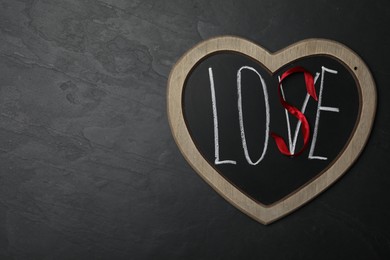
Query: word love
[(299, 114)]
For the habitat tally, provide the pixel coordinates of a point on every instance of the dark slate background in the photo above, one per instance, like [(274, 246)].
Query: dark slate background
[(89, 169)]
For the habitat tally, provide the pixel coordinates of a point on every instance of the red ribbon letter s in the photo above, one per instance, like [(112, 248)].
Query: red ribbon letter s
[(295, 111)]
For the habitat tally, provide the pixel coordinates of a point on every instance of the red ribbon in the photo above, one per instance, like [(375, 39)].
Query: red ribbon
[(309, 80)]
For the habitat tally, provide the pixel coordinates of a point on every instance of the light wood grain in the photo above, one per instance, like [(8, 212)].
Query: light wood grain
[(273, 61)]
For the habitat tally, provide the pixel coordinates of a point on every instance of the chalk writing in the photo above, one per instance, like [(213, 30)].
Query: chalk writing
[(292, 139)]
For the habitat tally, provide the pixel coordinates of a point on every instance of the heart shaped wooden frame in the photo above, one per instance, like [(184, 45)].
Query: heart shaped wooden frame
[(273, 61)]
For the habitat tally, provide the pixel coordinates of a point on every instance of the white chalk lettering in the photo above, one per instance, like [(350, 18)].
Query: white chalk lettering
[(292, 139), (292, 142), (241, 117), (215, 119), (319, 109)]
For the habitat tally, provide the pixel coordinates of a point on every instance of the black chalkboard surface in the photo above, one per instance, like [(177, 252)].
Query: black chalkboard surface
[(210, 99)]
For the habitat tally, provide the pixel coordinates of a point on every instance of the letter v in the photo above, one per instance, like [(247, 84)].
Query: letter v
[(292, 142)]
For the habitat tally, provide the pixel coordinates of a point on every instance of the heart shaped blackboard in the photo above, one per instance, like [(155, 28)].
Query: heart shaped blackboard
[(223, 103)]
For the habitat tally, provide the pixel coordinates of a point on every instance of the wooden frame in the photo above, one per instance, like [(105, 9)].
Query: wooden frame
[(273, 61)]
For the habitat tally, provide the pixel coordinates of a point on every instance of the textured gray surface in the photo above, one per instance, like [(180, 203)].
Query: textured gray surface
[(88, 167)]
